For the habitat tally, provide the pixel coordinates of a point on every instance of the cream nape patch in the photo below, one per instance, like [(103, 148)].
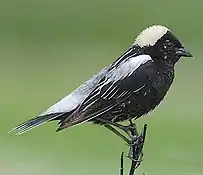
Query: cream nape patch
[(150, 35)]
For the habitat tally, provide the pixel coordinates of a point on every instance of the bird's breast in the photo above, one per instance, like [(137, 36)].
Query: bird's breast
[(149, 97)]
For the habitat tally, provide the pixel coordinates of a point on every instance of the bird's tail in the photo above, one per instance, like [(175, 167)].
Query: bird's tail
[(32, 123)]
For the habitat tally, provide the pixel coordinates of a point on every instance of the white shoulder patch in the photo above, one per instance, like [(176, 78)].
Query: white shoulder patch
[(150, 35), (75, 98), (128, 67)]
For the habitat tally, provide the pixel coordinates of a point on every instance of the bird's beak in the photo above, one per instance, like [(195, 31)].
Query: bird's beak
[(183, 52)]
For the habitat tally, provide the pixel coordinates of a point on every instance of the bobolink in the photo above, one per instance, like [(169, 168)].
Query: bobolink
[(130, 87)]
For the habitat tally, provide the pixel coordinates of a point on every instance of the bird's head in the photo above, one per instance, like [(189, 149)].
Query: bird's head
[(159, 42)]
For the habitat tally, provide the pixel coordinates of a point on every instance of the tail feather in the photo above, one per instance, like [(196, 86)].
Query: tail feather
[(32, 123)]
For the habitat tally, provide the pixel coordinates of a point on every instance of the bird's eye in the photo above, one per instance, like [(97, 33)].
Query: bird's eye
[(167, 44)]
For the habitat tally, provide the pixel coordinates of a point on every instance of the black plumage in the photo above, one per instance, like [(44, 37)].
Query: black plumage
[(127, 89)]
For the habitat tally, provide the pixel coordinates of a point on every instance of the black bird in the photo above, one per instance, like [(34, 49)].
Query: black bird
[(127, 89)]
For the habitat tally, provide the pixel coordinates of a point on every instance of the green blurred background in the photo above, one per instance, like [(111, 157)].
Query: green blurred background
[(48, 48)]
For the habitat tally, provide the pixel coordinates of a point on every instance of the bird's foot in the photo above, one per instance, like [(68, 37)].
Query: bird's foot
[(136, 146), (135, 154), (138, 158), (130, 130)]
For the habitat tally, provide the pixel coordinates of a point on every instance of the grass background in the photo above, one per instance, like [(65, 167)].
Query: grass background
[(48, 48)]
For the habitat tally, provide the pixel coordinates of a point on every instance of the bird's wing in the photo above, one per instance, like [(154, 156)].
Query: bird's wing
[(74, 99), (64, 107), (119, 84)]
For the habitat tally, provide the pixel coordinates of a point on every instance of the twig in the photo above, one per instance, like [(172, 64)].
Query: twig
[(121, 169), (135, 149)]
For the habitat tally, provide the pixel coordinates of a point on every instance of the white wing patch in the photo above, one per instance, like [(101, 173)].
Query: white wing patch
[(127, 68), (119, 72), (66, 104), (75, 98), (151, 35)]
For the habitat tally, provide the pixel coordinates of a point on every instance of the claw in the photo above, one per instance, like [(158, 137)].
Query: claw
[(131, 158)]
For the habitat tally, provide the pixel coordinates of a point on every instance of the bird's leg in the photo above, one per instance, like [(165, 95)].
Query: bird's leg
[(127, 129), (133, 128), (134, 137), (112, 129), (130, 130)]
